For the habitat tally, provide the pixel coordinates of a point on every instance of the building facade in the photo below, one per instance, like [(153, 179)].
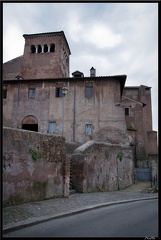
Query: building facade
[(79, 116), (136, 101), (94, 108)]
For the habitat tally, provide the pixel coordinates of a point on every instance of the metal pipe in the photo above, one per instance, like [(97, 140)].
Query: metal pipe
[(74, 104), (63, 118)]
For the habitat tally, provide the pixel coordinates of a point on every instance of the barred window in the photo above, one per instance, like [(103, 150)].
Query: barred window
[(52, 127), (88, 129), (89, 91), (32, 91)]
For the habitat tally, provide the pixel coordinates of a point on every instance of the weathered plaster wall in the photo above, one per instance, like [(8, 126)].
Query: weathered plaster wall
[(99, 166), (154, 167), (102, 110), (35, 166)]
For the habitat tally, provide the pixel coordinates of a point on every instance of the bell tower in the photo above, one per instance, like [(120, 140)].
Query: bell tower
[(46, 55)]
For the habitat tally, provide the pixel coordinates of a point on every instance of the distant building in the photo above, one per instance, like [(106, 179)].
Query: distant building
[(138, 115), (95, 108)]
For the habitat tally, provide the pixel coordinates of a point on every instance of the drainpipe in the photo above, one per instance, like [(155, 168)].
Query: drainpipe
[(118, 175), (18, 94), (74, 113)]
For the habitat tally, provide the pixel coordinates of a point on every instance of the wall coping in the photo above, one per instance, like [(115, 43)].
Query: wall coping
[(86, 145)]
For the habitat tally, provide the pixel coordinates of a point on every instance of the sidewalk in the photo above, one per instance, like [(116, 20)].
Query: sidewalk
[(16, 217)]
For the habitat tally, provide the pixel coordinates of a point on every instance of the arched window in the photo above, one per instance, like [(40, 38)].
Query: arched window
[(39, 49), (45, 48), (33, 49), (52, 47)]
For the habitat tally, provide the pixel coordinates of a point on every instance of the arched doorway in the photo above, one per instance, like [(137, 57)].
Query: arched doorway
[(30, 123)]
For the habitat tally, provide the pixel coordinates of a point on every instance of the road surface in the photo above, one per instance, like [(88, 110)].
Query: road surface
[(133, 219)]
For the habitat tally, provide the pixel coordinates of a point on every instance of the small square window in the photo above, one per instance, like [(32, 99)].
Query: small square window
[(127, 111), (32, 91), (89, 92), (52, 127), (88, 129), (59, 92)]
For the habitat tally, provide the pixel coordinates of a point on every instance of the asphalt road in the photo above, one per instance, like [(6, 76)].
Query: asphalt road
[(133, 219)]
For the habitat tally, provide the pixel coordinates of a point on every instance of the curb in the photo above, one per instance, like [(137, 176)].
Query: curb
[(36, 220)]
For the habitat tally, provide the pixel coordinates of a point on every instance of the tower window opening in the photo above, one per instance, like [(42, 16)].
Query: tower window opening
[(33, 49), (39, 49), (52, 47), (45, 48)]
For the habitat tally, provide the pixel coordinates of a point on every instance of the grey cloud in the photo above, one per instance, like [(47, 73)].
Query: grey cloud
[(136, 24)]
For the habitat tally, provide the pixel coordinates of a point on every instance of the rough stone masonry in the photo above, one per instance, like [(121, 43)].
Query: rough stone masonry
[(35, 166)]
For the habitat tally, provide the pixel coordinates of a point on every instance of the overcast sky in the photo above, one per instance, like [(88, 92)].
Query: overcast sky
[(114, 38)]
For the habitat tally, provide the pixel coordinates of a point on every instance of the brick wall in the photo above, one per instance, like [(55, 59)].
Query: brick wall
[(100, 166), (12, 68), (35, 166)]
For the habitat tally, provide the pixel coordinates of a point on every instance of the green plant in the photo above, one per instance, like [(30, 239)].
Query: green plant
[(35, 155), (56, 160), (120, 156), (130, 128)]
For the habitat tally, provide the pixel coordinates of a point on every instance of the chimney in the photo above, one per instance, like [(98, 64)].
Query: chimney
[(92, 72)]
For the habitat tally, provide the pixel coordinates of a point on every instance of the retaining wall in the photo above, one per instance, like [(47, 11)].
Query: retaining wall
[(35, 166)]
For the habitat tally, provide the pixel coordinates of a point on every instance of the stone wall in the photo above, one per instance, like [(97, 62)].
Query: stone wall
[(100, 166), (154, 167), (35, 166)]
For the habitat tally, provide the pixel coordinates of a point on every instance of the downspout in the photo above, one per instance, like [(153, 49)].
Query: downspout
[(74, 113), (18, 94)]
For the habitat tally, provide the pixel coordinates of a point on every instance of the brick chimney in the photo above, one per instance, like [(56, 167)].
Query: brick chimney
[(92, 72)]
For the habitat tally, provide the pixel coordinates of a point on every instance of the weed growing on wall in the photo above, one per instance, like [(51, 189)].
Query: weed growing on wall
[(120, 156), (35, 155)]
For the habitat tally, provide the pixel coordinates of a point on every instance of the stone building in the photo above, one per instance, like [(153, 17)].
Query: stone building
[(136, 101), (97, 108), (45, 56)]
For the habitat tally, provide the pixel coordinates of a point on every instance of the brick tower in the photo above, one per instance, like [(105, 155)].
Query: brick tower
[(46, 55)]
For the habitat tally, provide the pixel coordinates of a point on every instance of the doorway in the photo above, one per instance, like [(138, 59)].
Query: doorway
[(30, 123)]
